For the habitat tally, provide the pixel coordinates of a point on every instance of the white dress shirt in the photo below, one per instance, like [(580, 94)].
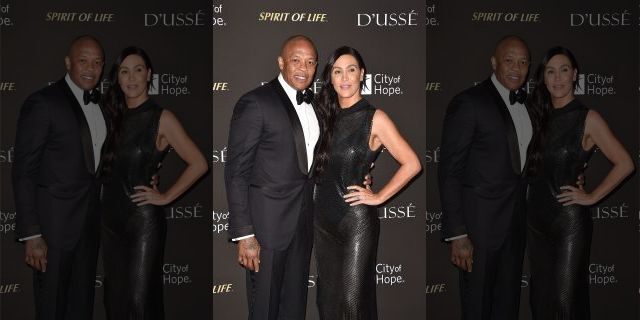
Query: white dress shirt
[(95, 120), (520, 118), (307, 118)]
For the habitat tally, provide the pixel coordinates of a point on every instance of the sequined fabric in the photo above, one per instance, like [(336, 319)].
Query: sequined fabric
[(133, 237), (559, 237), (346, 238)]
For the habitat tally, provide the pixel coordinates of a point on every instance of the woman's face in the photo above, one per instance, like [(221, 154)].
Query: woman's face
[(133, 76), (559, 76), (346, 76)]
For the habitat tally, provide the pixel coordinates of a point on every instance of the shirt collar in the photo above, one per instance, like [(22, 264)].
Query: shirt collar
[(502, 90), (290, 91), (77, 91)]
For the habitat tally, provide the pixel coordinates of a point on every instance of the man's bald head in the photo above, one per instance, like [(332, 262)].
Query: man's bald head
[(296, 39), (84, 39), (84, 62), (510, 62), (297, 61), (510, 40)]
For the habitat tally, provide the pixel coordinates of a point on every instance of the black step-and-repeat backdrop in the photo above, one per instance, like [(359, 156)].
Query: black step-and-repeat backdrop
[(603, 35), (457, 43), (34, 37), (391, 37)]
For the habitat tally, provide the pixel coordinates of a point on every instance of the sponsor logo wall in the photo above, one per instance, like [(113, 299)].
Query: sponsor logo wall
[(34, 37), (391, 38), (461, 36)]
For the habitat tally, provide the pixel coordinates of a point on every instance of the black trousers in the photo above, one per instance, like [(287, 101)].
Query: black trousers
[(492, 290), (66, 290), (279, 290)]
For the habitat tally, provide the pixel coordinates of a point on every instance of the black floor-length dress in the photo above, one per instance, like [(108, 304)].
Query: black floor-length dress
[(559, 237), (133, 237), (346, 238)]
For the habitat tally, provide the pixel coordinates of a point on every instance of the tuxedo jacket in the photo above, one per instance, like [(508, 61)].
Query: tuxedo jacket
[(54, 177), (267, 182), (480, 180)]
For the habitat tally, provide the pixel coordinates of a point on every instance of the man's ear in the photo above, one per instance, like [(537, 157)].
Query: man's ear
[(280, 63)]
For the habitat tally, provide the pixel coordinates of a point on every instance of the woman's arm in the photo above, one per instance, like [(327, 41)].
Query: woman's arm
[(597, 133), (384, 133), (171, 133)]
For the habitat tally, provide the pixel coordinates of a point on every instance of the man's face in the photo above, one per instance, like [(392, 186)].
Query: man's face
[(84, 64), (297, 63), (510, 64)]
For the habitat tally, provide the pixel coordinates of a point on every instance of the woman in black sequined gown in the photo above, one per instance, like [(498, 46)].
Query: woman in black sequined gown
[(559, 222), (345, 215), (133, 221)]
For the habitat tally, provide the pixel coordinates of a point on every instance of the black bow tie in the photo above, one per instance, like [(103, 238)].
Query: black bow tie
[(519, 95), (306, 96), (91, 96)]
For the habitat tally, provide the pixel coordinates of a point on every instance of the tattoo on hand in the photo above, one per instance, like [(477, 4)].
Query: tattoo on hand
[(252, 244)]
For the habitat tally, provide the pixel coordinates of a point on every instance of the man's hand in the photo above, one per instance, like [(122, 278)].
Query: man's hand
[(580, 182), (35, 252), (462, 253), (155, 179), (368, 179), (249, 253)]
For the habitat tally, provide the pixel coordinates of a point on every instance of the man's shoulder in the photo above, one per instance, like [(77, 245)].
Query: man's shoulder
[(262, 90), (477, 94), (266, 93), (480, 89), (55, 89)]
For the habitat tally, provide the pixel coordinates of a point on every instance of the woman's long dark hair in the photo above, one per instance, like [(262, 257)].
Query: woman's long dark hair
[(115, 103), (327, 102), (539, 104)]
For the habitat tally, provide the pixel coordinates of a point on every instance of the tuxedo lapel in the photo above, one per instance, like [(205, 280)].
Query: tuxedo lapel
[(85, 133), (298, 134), (512, 136)]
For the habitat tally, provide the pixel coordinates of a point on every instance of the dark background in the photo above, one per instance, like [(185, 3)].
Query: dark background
[(458, 56), (33, 46), (244, 55), (241, 50)]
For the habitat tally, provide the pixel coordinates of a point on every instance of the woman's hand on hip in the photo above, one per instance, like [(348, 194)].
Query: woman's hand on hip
[(572, 195), (147, 195), (362, 196)]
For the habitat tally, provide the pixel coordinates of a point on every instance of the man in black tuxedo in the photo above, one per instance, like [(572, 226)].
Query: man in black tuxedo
[(484, 143), (273, 134), (60, 133)]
